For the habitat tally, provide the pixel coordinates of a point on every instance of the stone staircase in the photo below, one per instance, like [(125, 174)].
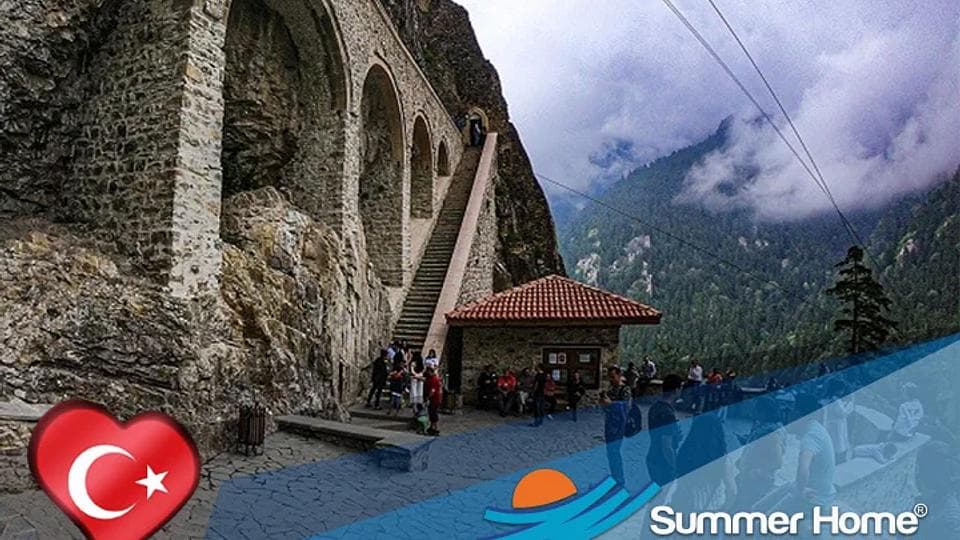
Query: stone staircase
[(421, 300)]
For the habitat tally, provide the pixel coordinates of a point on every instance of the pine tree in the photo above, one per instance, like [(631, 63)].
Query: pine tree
[(865, 304)]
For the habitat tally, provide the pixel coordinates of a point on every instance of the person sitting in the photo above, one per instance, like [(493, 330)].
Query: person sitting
[(524, 390), (486, 388), (507, 392), (909, 414), (550, 396)]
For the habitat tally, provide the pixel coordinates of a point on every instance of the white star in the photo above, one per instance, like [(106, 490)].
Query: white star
[(153, 482)]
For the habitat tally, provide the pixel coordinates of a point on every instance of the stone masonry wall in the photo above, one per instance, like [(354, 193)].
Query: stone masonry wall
[(126, 153), (520, 347)]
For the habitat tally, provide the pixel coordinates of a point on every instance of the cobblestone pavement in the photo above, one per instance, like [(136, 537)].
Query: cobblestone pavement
[(301, 486)]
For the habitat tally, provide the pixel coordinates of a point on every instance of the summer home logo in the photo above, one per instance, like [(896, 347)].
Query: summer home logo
[(546, 504)]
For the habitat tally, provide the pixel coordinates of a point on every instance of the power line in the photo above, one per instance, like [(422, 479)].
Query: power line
[(793, 127), (851, 230), (680, 240), (709, 48)]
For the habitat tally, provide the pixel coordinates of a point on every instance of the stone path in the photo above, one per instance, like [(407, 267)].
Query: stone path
[(301, 486)]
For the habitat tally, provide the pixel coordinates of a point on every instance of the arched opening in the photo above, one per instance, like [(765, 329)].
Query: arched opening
[(284, 97), (476, 126), (421, 171), (443, 160), (381, 176)]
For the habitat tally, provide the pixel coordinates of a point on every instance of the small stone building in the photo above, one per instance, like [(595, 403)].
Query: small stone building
[(555, 321)]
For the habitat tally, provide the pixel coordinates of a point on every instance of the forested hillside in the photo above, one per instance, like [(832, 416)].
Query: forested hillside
[(761, 305)]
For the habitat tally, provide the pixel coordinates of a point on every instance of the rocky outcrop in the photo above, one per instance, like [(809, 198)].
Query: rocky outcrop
[(440, 36), (42, 50), (291, 309)]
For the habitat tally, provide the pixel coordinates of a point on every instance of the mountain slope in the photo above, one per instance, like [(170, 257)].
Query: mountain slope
[(764, 308)]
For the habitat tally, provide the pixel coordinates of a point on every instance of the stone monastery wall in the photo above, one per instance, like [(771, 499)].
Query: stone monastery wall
[(204, 202), (184, 102)]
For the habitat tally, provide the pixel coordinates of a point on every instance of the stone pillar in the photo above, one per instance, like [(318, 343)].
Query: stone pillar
[(145, 171), (195, 243)]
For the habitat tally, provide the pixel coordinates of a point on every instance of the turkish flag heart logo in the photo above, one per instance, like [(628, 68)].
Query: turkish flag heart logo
[(114, 480)]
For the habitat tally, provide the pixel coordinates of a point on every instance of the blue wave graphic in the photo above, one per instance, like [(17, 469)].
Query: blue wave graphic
[(584, 517)]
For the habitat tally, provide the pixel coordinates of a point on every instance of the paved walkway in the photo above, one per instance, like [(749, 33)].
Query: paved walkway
[(302, 486), (33, 515)]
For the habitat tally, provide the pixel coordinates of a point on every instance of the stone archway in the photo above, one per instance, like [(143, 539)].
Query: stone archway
[(381, 175), (421, 171), (443, 160), (284, 97), (475, 116)]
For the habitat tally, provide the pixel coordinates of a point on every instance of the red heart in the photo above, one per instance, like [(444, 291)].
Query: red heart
[(90, 465)]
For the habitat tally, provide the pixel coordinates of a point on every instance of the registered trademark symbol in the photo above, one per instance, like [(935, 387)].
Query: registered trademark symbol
[(920, 510)]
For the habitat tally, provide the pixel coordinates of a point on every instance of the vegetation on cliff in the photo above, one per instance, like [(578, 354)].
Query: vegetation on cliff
[(444, 44)]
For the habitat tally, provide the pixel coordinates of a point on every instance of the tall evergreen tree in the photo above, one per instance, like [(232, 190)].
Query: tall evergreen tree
[(865, 304)]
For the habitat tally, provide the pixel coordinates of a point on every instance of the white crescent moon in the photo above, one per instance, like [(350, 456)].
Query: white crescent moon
[(77, 481)]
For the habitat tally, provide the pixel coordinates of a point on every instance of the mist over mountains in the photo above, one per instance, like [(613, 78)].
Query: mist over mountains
[(761, 305)]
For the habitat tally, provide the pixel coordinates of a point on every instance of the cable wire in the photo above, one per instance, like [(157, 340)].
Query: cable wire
[(682, 241)]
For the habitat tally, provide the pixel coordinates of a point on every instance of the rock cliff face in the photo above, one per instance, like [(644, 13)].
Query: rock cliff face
[(72, 324), (439, 34)]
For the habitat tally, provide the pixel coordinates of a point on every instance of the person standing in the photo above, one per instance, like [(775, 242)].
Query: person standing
[(417, 370), (814, 480), (694, 382), (538, 393), (432, 360), (664, 433), (378, 378), (575, 392), (397, 378), (835, 419), (486, 387), (434, 389), (632, 376), (616, 401), (648, 370), (762, 456)]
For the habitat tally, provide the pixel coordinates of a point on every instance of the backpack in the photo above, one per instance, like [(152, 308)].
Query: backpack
[(634, 420)]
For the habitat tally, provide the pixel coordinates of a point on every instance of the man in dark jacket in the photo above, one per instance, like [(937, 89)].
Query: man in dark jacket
[(538, 392), (378, 378), (617, 401), (486, 387), (575, 392)]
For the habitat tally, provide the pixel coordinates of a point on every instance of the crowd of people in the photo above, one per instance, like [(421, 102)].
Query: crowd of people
[(532, 391), (819, 424), (412, 380)]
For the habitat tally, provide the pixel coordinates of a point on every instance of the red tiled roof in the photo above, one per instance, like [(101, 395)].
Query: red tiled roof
[(554, 299)]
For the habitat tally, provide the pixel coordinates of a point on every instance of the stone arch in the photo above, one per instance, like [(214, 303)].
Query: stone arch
[(475, 115), (443, 160), (285, 101), (421, 171), (381, 175)]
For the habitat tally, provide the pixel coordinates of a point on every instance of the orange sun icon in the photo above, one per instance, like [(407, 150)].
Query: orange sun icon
[(542, 487)]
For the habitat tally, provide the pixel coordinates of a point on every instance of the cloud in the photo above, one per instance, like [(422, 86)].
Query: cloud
[(599, 88)]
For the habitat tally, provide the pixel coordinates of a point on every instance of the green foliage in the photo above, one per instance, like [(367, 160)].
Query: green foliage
[(864, 304), (725, 318)]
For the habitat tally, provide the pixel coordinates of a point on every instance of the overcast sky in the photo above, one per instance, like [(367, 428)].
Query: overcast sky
[(598, 87)]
